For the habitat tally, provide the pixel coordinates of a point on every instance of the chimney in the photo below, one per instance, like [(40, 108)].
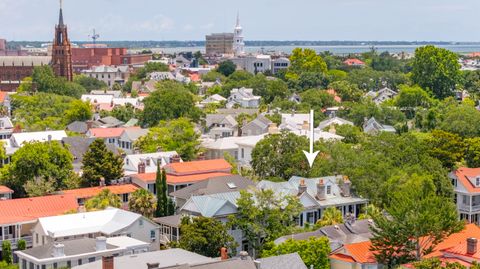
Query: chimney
[(258, 264), (58, 250), (243, 255), (141, 168), (346, 186), (107, 262), (223, 253), (153, 265), (272, 128), (111, 103), (101, 243), (175, 159), (102, 182), (89, 124), (321, 195), (302, 187), (305, 126), (49, 138), (471, 245)]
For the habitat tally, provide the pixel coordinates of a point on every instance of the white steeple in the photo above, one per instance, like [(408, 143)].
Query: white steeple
[(238, 43)]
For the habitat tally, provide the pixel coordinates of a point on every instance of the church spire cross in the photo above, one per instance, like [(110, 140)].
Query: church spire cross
[(238, 18)]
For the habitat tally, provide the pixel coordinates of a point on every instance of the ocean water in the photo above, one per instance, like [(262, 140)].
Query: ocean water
[(340, 50)]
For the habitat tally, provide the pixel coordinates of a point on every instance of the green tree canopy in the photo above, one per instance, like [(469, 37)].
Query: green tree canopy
[(171, 100), (437, 70), (39, 160), (412, 97), (313, 251), (100, 163), (205, 236), (89, 83), (418, 219), (280, 155), (331, 216), (263, 216), (305, 60), (447, 147), (226, 68), (142, 202), (78, 111), (45, 80), (103, 200), (175, 135)]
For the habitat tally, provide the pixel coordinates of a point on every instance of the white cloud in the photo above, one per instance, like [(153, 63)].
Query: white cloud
[(159, 23)]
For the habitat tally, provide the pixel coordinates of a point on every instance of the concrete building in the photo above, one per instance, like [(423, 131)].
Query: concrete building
[(219, 44), (109, 74), (254, 63), (279, 64)]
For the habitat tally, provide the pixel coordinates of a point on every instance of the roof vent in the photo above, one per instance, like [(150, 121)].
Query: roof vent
[(231, 185)]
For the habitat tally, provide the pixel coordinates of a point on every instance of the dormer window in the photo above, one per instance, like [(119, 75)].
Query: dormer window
[(148, 162), (329, 190), (477, 181)]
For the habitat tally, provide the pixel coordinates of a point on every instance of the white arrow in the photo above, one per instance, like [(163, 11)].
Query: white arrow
[(311, 155)]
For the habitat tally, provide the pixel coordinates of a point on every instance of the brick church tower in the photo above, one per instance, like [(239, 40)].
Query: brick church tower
[(61, 50)]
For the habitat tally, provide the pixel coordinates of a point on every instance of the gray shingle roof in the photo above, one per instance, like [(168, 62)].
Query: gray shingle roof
[(290, 261), (214, 185), (78, 127), (72, 247)]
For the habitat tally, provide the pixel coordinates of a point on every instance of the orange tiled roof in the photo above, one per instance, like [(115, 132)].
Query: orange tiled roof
[(90, 192), (471, 230), (108, 132), (195, 77), (462, 174), (30, 209), (337, 98), (197, 167), (5, 189), (3, 95), (172, 179), (105, 106), (360, 252), (342, 257), (353, 62)]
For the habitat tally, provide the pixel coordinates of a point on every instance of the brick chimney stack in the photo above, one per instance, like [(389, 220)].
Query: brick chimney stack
[(223, 253), (472, 245), (302, 187), (321, 195), (107, 262)]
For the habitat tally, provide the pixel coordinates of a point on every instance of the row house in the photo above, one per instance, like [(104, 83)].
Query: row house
[(148, 162), (124, 192), (123, 138)]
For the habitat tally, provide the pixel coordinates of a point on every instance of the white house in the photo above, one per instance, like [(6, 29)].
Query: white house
[(109, 74), (278, 64), (381, 95), (245, 148), (318, 194), (6, 128), (110, 222), (466, 182), (323, 125), (372, 126), (214, 99), (254, 64), (79, 251), (244, 97), (128, 137), (133, 163)]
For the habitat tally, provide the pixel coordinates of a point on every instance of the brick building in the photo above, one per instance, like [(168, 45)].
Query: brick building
[(13, 69), (86, 58)]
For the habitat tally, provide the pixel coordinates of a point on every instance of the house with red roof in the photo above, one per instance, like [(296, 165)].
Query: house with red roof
[(466, 182), (183, 174), (18, 216), (5, 193), (461, 247), (354, 62), (124, 191)]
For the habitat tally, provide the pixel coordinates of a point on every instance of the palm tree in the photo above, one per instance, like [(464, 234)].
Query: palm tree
[(103, 200), (369, 211), (331, 216), (143, 202)]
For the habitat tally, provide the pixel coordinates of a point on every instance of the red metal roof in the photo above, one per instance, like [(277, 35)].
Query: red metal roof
[(30, 209), (109, 132), (5, 189), (198, 167), (90, 192), (462, 174), (182, 179)]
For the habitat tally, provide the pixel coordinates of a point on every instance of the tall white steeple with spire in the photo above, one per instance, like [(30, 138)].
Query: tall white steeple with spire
[(238, 43)]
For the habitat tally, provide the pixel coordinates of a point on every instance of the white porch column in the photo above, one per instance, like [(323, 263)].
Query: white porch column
[(3, 232)]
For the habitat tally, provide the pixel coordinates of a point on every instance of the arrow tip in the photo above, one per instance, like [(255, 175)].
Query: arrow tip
[(311, 157)]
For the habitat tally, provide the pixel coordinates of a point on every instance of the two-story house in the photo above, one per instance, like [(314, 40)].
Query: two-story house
[(110, 222), (381, 95), (221, 125), (243, 97), (466, 182), (148, 162)]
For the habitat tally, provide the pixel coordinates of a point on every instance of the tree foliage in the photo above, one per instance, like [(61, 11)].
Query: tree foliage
[(305, 60), (89, 83), (205, 236), (264, 216), (330, 216), (279, 155), (7, 255), (99, 163), (175, 135), (39, 160), (44, 80), (142, 202), (437, 70), (313, 251), (171, 100), (418, 219), (226, 68), (103, 200)]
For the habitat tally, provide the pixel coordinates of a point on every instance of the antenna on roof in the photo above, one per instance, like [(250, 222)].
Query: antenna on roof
[(94, 37)]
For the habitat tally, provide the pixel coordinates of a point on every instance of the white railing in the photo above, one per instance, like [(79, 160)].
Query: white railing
[(14, 241)]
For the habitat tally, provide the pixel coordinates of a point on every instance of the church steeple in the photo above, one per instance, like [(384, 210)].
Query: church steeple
[(238, 43), (60, 17), (62, 50), (238, 19)]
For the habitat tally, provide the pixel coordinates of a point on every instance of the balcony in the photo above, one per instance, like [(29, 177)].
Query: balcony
[(468, 208), (14, 241)]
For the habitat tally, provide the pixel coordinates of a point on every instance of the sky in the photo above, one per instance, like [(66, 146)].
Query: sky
[(378, 20)]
